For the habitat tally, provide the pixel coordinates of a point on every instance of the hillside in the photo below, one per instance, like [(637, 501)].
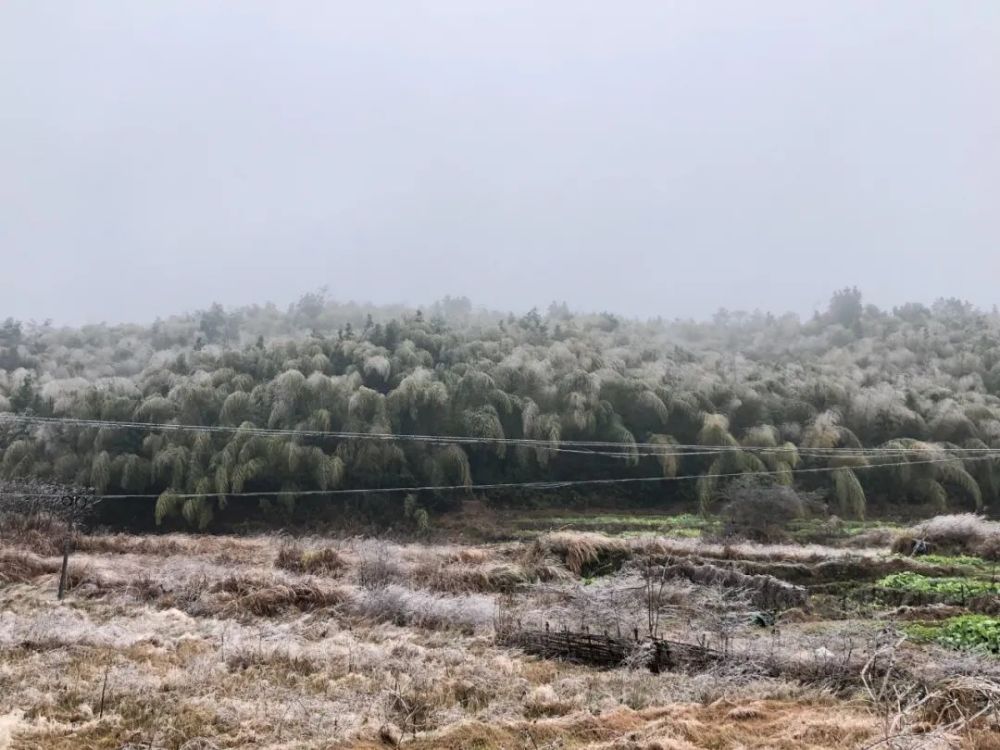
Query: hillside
[(874, 409)]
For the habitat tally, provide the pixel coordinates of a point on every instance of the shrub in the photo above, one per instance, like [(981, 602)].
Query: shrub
[(376, 568), (416, 514), (761, 512)]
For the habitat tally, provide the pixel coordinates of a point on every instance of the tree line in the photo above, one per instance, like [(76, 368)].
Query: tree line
[(774, 391)]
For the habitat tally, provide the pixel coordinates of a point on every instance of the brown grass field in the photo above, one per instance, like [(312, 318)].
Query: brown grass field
[(183, 641)]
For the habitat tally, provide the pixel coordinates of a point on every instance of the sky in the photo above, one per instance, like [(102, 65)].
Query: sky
[(645, 157)]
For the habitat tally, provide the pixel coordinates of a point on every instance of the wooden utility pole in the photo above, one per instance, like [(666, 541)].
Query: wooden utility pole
[(63, 575)]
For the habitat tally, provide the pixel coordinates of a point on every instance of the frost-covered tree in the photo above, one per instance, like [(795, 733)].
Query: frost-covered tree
[(759, 394)]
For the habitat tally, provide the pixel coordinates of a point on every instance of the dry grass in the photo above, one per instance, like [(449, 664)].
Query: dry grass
[(961, 534), (586, 552), (213, 642), (771, 725), (41, 533), (22, 567), (269, 598), (591, 553), (299, 559), (459, 577), (404, 606)]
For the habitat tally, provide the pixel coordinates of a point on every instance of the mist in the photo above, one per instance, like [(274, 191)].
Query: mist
[(649, 158)]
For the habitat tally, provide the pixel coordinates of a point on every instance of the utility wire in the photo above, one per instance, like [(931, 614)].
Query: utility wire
[(494, 486), (622, 450)]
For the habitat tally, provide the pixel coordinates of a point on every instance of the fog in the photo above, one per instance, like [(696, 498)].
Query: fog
[(648, 158)]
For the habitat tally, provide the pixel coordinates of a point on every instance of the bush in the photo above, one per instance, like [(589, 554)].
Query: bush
[(376, 567), (761, 512)]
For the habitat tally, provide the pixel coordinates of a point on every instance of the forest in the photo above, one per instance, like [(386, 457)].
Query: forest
[(877, 411)]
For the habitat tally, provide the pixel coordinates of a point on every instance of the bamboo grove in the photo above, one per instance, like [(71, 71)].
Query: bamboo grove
[(776, 392)]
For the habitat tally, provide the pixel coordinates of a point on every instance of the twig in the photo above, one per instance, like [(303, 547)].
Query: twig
[(104, 690), (65, 567)]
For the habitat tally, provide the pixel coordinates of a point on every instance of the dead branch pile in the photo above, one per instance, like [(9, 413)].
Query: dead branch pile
[(767, 591), (963, 700), (843, 674)]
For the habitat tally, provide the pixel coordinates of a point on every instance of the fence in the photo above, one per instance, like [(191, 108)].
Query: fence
[(604, 650)]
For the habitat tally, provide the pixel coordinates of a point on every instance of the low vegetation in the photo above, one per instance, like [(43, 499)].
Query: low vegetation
[(298, 559), (180, 641), (954, 588), (964, 534), (967, 632)]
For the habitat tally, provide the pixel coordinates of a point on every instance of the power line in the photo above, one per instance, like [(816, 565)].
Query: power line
[(622, 450), (497, 485), (387, 436)]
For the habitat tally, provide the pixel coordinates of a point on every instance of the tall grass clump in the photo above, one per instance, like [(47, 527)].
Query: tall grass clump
[(959, 534)]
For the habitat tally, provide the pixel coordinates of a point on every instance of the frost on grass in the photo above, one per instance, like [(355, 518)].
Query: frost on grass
[(212, 642), (403, 606), (56, 626), (959, 534)]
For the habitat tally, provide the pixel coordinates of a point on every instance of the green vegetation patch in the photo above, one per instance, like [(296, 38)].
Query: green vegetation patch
[(964, 633), (967, 561), (952, 587)]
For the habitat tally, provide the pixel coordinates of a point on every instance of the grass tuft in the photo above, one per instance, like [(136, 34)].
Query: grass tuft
[(299, 559)]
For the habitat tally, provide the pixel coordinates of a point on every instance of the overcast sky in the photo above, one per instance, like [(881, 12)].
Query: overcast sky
[(646, 157)]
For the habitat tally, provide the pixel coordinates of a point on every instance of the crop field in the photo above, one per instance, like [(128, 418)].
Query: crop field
[(571, 639)]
